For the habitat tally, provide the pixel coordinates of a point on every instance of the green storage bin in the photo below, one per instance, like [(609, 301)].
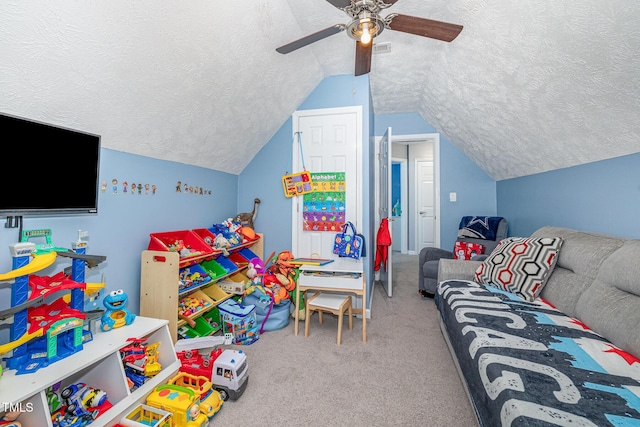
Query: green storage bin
[(213, 318), (214, 269), (203, 328)]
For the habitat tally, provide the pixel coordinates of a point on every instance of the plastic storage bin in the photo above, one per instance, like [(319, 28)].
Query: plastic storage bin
[(195, 304), (186, 243), (213, 267), (248, 254), (202, 328), (216, 294), (240, 320), (192, 277), (208, 237), (234, 284), (213, 318), (227, 264)]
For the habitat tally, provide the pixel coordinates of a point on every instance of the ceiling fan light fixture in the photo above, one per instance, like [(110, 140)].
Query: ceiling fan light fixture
[(365, 38), (365, 27)]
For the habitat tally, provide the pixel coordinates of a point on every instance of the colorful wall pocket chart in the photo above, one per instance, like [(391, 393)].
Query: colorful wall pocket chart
[(324, 207)]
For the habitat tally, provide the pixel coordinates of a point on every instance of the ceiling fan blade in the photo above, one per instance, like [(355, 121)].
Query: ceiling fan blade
[(307, 40), (424, 27), (363, 57), (341, 4)]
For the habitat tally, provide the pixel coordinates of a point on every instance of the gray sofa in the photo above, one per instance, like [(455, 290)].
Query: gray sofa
[(568, 359)]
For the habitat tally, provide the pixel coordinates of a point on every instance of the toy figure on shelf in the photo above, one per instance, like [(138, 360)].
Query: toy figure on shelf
[(116, 315), (146, 363), (81, 399)]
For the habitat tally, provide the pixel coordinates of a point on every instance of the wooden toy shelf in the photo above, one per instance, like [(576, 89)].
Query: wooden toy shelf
[(160, 295)]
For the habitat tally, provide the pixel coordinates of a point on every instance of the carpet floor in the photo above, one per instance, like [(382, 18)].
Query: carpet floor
[(402, 376)]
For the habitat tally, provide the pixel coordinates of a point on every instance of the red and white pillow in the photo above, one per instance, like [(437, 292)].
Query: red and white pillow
[(466, 250), (520, 265)]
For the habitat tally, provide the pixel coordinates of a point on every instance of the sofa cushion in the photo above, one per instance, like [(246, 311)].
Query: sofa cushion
[(577, 265), (611, 305), (520, 265), (582, 252)]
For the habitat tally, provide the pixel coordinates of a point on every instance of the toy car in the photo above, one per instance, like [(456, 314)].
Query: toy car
[(63, 418), (135, 377), (80, 398)]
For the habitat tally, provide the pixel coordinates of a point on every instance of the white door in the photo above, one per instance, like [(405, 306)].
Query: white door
[(331, 142), (384, 208), (426, 204)]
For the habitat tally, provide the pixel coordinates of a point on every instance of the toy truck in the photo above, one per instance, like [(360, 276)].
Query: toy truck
[(182, 402), (227, 370), (210, 399)]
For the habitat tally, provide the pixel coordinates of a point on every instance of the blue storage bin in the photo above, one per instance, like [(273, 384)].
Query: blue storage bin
[(191, 277), (239, 320), (248, 254), (226, 263)]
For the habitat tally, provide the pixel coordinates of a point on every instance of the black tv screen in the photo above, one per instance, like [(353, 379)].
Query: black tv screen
[(47, 169)]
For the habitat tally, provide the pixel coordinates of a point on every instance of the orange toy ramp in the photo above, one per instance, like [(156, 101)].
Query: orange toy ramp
[(39, 262)]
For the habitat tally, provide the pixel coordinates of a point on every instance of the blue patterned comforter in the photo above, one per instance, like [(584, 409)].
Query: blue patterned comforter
[(528, 364)]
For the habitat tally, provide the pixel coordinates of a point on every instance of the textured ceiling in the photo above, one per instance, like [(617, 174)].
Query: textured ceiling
[(526, 87)]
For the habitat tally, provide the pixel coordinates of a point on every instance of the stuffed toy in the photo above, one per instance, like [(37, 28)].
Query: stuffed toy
[(272, 284), (286, 274)]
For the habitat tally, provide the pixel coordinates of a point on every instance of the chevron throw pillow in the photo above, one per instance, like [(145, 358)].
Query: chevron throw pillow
[(520, 265)]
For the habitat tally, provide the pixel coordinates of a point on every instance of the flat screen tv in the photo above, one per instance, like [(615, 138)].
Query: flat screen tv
[(47, 170)]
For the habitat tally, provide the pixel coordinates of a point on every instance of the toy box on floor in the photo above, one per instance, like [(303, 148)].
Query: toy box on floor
[(239, 320)]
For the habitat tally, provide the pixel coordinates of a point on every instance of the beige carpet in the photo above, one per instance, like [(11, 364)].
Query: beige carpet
[(402, 376)]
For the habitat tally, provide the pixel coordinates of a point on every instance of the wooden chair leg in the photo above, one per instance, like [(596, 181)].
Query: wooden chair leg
[(350, 312), (307, 320), (340, 316)]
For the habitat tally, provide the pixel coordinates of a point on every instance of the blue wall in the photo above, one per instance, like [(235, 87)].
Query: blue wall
[(476, 191), (121, 229), (601, 197)]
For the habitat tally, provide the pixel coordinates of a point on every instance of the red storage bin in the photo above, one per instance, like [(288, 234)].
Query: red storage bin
[(208, 237), (188, 244)]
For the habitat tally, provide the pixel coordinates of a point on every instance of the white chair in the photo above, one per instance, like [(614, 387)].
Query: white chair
[(337, 304)]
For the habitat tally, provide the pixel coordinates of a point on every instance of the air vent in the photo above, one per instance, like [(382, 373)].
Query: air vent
[(382, 47)]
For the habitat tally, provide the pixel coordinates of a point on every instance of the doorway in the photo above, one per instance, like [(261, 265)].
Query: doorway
[(414, 148), (400, 200)]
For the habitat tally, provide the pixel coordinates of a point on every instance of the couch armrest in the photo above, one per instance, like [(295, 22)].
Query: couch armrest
[(434, 254), (449, 269)]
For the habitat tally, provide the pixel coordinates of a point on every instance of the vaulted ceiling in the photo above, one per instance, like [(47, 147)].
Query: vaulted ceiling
[(526, 87)]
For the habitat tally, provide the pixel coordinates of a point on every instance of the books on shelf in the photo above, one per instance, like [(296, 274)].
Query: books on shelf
[(310, 261)]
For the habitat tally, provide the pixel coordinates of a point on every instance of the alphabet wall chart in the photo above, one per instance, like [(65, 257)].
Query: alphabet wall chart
[(324, 207)]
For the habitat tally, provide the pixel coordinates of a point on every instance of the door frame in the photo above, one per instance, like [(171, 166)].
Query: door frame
[(297, 163), (416, 139)]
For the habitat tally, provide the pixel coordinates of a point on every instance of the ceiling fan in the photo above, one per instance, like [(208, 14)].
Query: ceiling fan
[(366, 23)]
